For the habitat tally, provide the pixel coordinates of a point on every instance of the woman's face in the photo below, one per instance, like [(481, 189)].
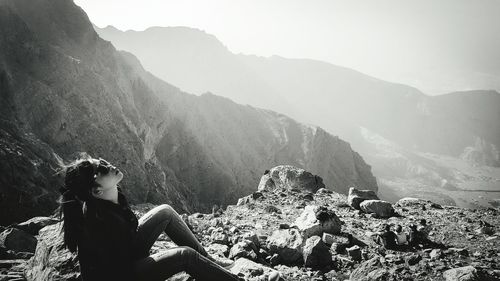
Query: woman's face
[(107, 176)]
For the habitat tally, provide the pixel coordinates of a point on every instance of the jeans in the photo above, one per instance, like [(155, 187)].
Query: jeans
[(189, 257)]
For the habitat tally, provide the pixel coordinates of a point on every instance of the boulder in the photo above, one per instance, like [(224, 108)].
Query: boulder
[(290, 177), (357, 196), (248, 269), (315, 220), (287, 243), (466, 273), (33, 225), (18, 240), (52, 261), (381, 208), (316, 254), (370, 270)]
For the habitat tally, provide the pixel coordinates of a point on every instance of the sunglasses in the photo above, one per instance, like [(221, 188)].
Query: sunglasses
[(104, 167)]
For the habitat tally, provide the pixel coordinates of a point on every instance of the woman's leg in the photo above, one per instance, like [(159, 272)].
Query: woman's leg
[(165, 218), (174, 260)]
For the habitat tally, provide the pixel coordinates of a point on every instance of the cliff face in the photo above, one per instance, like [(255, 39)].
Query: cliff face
[(65, 90)]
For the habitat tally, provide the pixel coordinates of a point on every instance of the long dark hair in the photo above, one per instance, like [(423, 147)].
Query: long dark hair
[(76, 192)]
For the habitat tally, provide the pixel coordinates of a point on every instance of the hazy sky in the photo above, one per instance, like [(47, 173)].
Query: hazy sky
[(435, 45)]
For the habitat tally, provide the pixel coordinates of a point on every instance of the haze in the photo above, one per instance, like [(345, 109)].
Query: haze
[(436, 46)]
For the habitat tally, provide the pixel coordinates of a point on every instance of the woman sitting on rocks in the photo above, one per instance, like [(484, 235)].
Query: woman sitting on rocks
[(112, 244)]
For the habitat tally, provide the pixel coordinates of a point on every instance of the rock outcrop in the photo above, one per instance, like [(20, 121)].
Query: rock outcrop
[(289, 177)]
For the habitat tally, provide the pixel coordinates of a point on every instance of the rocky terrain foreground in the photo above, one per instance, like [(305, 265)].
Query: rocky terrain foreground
[(294, 227)]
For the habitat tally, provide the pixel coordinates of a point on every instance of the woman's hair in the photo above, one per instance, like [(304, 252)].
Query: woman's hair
[(78, 183)]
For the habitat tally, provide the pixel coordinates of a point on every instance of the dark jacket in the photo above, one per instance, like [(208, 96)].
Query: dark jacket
[(106, 250)]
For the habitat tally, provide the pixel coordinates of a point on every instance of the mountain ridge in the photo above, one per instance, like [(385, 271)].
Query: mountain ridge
[(75, 93), (349, 103)]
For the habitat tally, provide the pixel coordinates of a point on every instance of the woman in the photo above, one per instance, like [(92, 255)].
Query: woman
[(112, 244)]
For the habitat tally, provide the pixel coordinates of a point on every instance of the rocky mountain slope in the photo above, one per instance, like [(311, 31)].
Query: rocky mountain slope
[(399, 130), (64, 90), (293, 228)]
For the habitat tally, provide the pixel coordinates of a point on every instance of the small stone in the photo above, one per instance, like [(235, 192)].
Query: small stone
[(328, 238), (436, 254), (413, 259), (284, 226), (354, 253), (316, 253)]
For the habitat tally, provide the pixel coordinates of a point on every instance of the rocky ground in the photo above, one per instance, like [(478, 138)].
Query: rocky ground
[(289, 227)]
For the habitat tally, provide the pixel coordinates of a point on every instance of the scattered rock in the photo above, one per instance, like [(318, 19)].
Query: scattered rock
[(357, 196), (316, 253)]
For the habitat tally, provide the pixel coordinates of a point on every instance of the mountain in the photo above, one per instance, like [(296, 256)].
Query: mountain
[(444, 146), (64, 90)]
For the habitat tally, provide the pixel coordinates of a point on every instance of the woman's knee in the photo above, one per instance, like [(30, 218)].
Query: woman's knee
[(188, 254), (165, 210)]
